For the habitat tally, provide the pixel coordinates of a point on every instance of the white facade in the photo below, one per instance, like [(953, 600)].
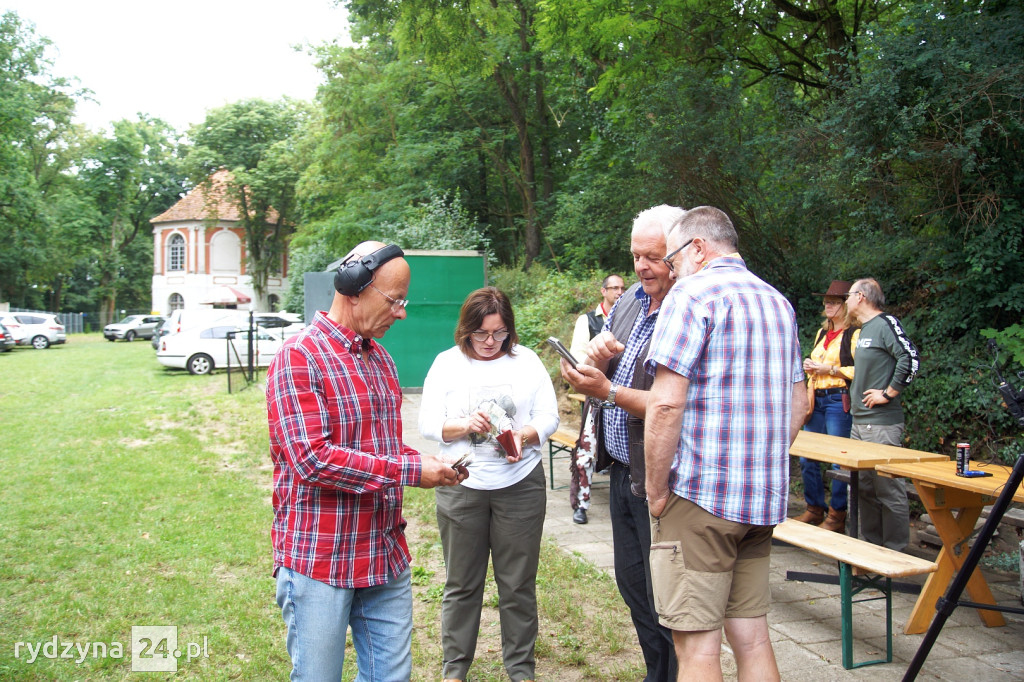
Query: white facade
[(199, 265)]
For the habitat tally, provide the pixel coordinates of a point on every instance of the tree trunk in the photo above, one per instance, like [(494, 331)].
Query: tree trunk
[(543, 126), (526, 182)]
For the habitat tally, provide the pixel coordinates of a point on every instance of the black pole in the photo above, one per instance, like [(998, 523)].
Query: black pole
[(951, 600), (252, 332)]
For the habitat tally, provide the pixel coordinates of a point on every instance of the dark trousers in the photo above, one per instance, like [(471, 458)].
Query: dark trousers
[(631, 538), (506, 524)]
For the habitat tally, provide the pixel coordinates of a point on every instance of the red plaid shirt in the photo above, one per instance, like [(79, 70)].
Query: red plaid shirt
[(334, 409)]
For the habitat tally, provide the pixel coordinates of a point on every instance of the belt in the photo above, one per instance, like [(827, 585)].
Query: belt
[(831, 391)]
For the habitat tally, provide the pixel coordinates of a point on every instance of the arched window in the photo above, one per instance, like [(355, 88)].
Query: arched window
[(176, 302), (275, 302), (176, 253)]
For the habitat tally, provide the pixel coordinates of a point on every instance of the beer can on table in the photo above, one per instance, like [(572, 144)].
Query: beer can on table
[(963, 457)]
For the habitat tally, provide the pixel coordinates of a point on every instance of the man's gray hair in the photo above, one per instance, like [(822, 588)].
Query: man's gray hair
[(709, 223), (661, 217), (872, 291)]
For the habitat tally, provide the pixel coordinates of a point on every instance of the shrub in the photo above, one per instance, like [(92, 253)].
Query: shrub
[(547, 303)]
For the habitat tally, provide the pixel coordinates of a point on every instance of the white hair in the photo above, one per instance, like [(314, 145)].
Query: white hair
[(662, 217)]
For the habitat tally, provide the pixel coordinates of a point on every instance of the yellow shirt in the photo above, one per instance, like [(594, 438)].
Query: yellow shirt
[(830, 356)]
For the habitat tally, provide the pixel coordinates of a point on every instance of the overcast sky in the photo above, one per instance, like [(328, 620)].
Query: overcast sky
[(176, 60)]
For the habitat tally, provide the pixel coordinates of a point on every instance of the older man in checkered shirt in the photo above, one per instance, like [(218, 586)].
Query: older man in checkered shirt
[(727, 402)]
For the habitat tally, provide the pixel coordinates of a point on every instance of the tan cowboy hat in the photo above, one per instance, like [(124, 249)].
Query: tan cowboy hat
[(837, 289)]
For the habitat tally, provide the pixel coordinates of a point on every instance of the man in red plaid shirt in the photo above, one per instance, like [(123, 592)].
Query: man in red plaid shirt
[(340, 554)]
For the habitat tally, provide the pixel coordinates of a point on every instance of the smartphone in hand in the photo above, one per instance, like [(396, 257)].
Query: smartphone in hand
[(562, 350)]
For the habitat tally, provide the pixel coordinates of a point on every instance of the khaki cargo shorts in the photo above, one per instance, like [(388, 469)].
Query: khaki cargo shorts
[(706, 569)]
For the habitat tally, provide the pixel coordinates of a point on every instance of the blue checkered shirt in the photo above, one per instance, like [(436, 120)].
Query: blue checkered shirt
[(616, 438), (734, 338)]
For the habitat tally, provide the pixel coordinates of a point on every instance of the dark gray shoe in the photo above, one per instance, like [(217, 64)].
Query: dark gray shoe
[(579, 516)]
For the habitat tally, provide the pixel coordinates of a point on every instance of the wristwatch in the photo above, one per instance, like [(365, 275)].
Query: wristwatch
[(610, 400), (885, 394)]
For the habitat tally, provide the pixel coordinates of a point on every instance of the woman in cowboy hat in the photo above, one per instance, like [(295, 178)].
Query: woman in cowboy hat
[(829, 373)]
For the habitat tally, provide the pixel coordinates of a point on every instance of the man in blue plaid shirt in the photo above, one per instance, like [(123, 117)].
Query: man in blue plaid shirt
[(727, 401), (613, 374)]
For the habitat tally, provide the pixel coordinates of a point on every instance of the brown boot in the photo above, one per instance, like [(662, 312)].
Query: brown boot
[(813, 515), (836, 521)]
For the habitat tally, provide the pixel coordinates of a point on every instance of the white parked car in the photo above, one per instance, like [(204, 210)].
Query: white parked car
[(205, 348), (39, 330), (181, 320), (133, 327)]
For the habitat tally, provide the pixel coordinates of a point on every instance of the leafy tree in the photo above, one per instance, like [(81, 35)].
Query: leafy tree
[(928, 168), (259, 142), (497, 85), (131, 176), (441, 223), (35, 121), (364, 170), (846, 138)]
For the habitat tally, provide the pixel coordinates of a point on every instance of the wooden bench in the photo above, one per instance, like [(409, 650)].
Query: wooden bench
[(880, 564), (560, 444)]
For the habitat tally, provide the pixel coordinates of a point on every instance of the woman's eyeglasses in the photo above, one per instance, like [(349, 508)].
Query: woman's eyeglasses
[(482, 336)]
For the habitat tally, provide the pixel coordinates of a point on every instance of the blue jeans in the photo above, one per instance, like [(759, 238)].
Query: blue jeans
[(317, 616), (829, 418)]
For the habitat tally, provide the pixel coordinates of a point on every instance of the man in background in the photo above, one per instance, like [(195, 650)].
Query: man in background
[(590, 324), (885, 363), (587, 327)]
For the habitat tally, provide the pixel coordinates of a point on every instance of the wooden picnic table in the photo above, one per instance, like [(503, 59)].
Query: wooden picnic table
[(954, 504), (854, 456)]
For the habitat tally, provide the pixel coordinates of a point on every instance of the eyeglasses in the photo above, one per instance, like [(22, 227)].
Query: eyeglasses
[(396, 303), (668, 259), (614, 288), (481, 336), (851, 293)]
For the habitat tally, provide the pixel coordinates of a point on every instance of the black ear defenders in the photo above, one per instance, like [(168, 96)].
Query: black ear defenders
[(356, 272)]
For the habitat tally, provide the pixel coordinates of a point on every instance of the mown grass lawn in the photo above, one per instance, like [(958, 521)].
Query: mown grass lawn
[(132, 495)]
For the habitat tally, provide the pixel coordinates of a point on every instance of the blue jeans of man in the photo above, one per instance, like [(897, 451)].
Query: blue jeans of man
[(829, 418), (318, 615), (631, 540)]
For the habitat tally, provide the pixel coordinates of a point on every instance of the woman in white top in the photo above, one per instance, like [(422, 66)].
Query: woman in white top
[(492, 401)]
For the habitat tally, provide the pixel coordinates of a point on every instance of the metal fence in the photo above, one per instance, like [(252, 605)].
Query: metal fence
[(79, 323)]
